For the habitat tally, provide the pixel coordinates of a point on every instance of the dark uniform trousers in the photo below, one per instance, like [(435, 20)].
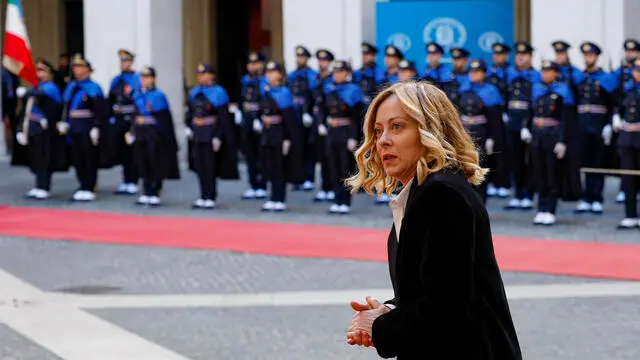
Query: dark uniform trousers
[(204, 162), (592, 149), (479, 136), (85, 158), (149, 162), (545, 165), (252, 151), (273, 160), (629, 151), (39, 155), (518, 163), (341, 162), (325, 168), (129, 173)]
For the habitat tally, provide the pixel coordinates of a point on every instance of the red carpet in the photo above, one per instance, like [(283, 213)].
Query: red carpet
[(514, 254)]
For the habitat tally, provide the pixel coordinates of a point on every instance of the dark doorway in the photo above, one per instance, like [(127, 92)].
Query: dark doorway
[(74, 26)]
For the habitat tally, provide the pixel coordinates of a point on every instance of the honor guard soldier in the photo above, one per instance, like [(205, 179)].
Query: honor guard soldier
[(325, 77), (520, 80), (153, 139), (552, 107), (435, 72), (481, 113), (122, 112), (568, 73), (209, 128), (281, 138), (343, 108), (407, 70), (498, 179), (252, 84), (392, 57), (46, 149), (595, 106), (623, 75), (460, 75), (370, 76), (303, 83), (85, 114), (627, 124)]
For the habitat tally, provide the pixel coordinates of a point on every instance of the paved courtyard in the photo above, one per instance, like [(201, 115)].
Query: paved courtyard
[(78, 301)]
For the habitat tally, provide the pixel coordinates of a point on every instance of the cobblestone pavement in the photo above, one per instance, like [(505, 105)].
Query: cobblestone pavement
[(79, 301)]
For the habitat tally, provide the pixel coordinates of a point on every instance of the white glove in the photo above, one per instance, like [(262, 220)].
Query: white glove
[(525, 135), (21, 91), (560, 150), (44, 123), (322, 130), (257, 126), (217, 143), (94, 134), (129, 138), (188, 133), (505, 118), (352, 144), (607, 133), (286, 146), (488, 145), (237, 116), (22, 139), (617, 122), (63, 127), (307, 120)]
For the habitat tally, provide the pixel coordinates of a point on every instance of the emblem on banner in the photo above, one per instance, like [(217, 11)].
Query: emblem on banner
[(486, 40), (400, 40), (448, 32)]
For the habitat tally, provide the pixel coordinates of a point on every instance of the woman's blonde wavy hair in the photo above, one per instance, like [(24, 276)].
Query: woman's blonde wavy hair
[(446, 142)]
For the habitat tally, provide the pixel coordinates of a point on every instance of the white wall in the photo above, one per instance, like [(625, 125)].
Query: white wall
[(576, 21), (338, 25), (152, 29)]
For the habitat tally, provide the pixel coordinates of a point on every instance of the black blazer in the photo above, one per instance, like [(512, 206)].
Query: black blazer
[(449, 296)]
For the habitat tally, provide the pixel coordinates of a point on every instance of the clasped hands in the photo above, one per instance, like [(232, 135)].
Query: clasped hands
[(366, 313)]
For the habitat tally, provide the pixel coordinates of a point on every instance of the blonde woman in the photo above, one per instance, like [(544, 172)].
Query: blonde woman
[(449, 296)]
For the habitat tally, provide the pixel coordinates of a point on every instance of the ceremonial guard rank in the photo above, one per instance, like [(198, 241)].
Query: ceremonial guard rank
[(122, 113), (153, 138), (520, 80), (460, 75), (595, 106), (628, 127), (568, 73), (85, 114), (552, 107), (325, 78), (281, 138), (252, 84), (303, 82), (435, 72), (392, 57), (498, 179), (210, 130), (370, 76), (343, 108), (407, 70), (481, 113), (46, 149)]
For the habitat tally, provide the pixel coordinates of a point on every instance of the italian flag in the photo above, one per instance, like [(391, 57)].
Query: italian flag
[(17, 56)]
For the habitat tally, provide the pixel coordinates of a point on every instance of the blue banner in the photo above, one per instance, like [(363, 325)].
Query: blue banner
[(473, 25)]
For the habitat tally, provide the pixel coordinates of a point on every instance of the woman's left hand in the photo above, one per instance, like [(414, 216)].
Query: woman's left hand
[(360, 331)]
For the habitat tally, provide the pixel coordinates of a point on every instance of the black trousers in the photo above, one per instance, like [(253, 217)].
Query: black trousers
[(149, 166), (85, 158), (274, 169), (545, 165), (325, 167), (518, 165), (630, 160), (252, 158), (125, 154), (39, 156), (592, 149), (310, 157), (341, 164), (204, 162)]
